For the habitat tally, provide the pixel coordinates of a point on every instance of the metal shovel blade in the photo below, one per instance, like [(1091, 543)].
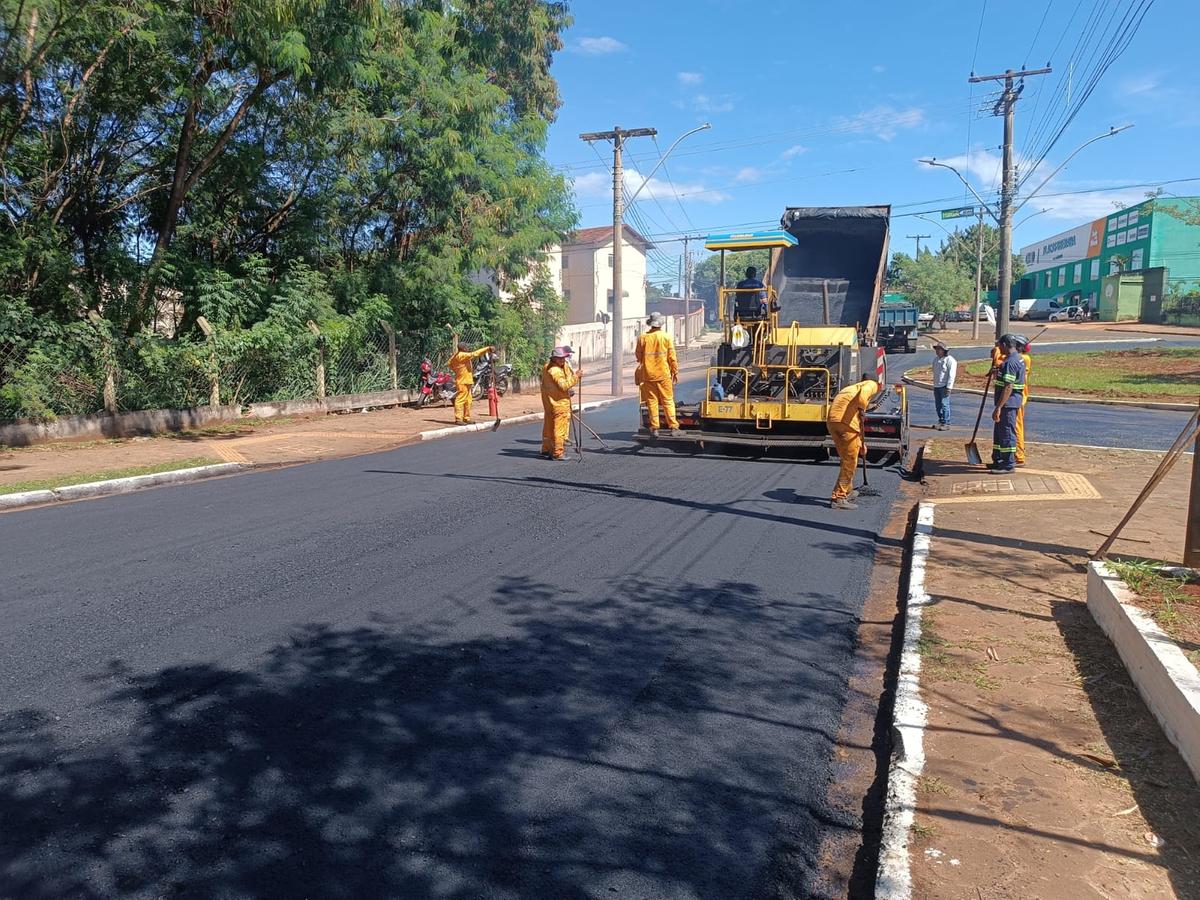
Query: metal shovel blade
[(973, 456)]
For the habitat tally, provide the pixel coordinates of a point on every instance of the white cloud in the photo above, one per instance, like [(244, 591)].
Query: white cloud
[(1138, 86), (793, 151), (878, 69), (689, 77), (706, 104), (655, 188), (1080, 208), (593, 184), (748, 173), (885, 122), (599, 46)]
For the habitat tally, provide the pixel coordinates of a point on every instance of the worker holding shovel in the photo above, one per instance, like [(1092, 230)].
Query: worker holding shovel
[(845, 424)]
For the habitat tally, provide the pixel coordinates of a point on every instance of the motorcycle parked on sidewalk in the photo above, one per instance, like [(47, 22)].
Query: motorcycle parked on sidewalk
[(483, 377), (435, 387)]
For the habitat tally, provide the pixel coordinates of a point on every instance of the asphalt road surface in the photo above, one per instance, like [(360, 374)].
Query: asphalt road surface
[(1063, 423), (452, 670)]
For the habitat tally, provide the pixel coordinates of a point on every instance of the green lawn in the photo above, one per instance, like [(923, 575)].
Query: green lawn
[(1169, 373), (85, 477)]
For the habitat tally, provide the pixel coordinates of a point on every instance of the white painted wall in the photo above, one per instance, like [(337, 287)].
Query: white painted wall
[(588, 277)]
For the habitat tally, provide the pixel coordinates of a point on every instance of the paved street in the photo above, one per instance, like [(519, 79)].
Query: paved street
[(448, 670)]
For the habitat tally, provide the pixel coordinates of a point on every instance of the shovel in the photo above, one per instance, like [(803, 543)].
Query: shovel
[(973, 456)]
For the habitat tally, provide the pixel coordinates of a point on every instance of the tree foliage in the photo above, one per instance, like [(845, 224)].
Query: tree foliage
[(234, 154), (933, 283)]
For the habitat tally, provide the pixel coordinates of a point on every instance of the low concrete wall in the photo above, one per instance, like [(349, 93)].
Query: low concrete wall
[(24, 433), (1164, 677), (340, 403)]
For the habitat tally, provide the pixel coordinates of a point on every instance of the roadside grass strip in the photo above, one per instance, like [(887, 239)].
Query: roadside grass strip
[(50, 484), (894, 877)]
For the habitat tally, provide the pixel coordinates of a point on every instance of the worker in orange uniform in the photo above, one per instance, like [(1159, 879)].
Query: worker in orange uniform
[(659, 370), (557, 380), (462, 364), (845, 424), (1020, 454)]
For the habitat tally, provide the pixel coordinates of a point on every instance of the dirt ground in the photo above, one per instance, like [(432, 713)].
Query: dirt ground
[(1046, 776)]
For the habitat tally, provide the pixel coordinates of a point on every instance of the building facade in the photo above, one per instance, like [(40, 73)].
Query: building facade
[(587, 264), (1162, 233)]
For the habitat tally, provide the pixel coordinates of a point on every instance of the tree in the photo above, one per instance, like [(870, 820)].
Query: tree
[(935, 285), (962, 249)]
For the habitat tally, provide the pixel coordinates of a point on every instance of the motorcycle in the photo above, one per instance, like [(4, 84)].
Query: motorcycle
[(483, 377), (435, 387)]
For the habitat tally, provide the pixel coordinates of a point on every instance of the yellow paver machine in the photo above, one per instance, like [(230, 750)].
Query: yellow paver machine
[(792, 344)]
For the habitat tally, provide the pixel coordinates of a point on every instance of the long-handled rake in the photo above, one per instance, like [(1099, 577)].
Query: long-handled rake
[(866, 490)]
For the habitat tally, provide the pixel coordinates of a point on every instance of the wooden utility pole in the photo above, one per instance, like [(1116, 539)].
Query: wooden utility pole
[(618, 136), (978, 277), (1004, 106), (919, 237)]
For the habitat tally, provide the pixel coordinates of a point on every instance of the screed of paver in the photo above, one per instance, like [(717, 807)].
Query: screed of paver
[(1046, 777)]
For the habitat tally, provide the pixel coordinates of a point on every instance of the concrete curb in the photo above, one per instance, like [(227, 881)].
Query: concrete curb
[(439, 433), (106, 488), (894, 877), (1034, 398), (1165, 678)]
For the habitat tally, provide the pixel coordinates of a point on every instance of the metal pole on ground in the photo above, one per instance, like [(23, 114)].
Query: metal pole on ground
[(1191, 541)]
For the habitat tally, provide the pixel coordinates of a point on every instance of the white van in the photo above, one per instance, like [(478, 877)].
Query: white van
[(1042, 308)]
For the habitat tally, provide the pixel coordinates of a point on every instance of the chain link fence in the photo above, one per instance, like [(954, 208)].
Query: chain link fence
[(87, 369)]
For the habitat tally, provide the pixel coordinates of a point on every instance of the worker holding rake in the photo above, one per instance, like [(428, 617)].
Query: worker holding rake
[(845, 424), (558, 378)]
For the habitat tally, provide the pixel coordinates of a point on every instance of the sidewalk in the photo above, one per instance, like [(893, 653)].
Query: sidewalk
[(1045, 774), (288, 440)]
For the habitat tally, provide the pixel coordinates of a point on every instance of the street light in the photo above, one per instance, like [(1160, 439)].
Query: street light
[(1063, 164), (663, 159), (932, 161)]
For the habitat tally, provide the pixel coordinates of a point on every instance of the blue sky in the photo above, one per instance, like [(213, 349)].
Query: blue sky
[(832, 103)]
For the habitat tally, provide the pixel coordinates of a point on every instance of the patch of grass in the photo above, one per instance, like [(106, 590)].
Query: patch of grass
[(1167, 601), (924, 832), (85, 477), (1167, 371), (931, 784), (931, 646)]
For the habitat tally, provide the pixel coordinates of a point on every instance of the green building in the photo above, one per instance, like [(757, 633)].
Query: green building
[(1142, 262)]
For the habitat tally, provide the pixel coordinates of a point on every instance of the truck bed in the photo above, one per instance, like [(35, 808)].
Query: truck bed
[(844, 247)]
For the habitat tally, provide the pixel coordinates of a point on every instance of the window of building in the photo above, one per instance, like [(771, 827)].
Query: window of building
[(1078, 273), (1095, 268), (624, 296), (566, 260), (567, 295), (1062, 276), (610, 260), (1046, 279), (1135, 260)]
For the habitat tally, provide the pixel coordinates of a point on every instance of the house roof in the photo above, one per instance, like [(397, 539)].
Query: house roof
[(603, 235)]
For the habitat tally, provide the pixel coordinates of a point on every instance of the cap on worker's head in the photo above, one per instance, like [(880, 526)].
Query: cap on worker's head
[(464, 346), (655, 320), (1011, 340), (560, 352)]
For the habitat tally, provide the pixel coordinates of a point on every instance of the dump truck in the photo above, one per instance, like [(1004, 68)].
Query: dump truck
[(897, 326), (789, 347)]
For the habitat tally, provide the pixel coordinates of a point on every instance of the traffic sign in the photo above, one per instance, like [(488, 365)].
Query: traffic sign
[(963, 212)]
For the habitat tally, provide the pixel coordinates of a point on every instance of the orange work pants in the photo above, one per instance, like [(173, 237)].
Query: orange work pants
[(462, 403), (660, 394), (849, 445), (556, 425)]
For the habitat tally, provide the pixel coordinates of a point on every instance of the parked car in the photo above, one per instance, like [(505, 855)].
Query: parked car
[(1043, 308), (1068, 314)]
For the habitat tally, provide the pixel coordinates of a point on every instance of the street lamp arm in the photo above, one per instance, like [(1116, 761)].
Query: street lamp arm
[(663, 159), (1063, 164), (933, 162)]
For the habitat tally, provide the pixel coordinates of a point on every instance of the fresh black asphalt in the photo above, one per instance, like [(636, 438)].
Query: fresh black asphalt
[(452, 670)]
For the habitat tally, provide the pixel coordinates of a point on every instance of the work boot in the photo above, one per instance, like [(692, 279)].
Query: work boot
[(675, 432), (843, 503), (653, 432), (853, 495)]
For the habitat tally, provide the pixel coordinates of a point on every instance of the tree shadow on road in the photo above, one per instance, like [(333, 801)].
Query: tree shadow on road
[(645, 741)]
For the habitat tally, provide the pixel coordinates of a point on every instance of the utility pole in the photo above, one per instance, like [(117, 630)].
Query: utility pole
[(1005, 106), (978, 277), (918, 237), (618, 136)]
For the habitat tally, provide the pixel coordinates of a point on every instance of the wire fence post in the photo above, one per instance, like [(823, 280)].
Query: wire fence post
[(320, 374), (391, 351), (110, 378), (214, 374)]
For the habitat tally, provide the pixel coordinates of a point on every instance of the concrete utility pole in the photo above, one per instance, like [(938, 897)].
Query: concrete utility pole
[(1004, 106), (618, 136), (978, 278), (919, 238)]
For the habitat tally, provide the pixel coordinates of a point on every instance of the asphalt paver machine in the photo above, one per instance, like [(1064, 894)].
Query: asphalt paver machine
[(789, 347)]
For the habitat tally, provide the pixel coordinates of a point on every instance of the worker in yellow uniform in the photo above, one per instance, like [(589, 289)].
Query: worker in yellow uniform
[(845, 424), (1020, 454), (557, 380), (659, 371), (462, 364)]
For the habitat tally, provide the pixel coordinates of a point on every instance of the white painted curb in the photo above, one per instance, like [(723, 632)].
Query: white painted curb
[(439, 433), (111, 486), (894, 877), (1165, 678)]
